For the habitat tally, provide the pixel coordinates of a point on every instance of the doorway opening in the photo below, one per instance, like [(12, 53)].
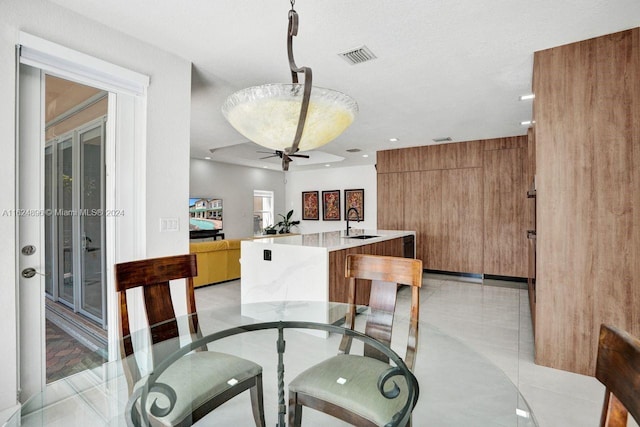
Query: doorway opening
[(74, 226), (123, 182)]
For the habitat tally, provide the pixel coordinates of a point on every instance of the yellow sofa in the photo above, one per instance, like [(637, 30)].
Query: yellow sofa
[(233, 259), (218, 261)]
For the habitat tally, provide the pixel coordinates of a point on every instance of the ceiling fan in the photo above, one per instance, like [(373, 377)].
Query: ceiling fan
[(286, 158)]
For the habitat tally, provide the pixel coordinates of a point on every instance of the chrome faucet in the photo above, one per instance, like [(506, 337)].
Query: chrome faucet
[(357, 218)]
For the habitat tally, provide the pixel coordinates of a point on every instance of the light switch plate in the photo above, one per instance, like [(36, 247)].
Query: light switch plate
[(169, 224)]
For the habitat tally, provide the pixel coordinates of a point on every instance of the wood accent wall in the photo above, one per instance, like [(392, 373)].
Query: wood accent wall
[(505, 206), (466, 201), (339, 285), (423, 214), (587, 155), (462, 220), (391, 191)]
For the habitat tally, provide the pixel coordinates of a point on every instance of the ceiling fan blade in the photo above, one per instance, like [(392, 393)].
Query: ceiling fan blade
[(304, 156), (268, 157)]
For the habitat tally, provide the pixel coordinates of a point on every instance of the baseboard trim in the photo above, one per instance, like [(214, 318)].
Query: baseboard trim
[(484, 279), (454, 273), (508, 278)]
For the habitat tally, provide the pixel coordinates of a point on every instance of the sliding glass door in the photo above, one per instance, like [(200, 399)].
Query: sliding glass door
[(75, 223), (91, 251)]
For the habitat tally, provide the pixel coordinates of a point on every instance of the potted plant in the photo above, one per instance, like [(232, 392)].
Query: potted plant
[(271, 229), (285, 224)]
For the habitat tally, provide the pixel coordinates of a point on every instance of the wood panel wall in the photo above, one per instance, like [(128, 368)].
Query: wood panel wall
[(391, 193), (423, 214), (505, 203), (442, 193), (462, 220), (338, 284), (587, 137)]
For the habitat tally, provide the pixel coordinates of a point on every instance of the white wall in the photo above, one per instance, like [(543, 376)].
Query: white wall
[(333, 179), (167, 157), (235, 185)]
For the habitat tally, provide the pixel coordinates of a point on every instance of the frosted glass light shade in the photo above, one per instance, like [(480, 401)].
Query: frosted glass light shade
[(268, 115)]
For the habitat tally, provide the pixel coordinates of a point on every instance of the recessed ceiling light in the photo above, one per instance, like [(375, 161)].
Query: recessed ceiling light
[(527, 122), (207, 158), (393, 140), (265, 167), (365, 155), (328, 165), (527, 96)]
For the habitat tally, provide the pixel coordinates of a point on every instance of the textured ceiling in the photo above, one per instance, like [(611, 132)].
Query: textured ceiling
[(443, 69)]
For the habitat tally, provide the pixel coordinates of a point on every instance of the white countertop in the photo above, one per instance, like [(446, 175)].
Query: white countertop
[(334, 240)]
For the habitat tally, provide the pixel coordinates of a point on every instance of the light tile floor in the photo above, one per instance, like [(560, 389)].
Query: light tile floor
[(495, 321), (492, 320)]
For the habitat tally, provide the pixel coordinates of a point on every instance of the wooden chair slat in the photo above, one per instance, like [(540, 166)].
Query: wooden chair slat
[(383, 274), (157, 302), (618, 368), (155, 270), (382, 304), (153, 276)]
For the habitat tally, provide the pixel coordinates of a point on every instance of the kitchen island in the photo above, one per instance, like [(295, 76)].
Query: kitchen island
[(310, 267)]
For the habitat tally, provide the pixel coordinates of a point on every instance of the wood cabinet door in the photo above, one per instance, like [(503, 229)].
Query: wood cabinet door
[(423, 214), (390, 201), (462, 225), (339, 285), (588, 188), (505, 199)]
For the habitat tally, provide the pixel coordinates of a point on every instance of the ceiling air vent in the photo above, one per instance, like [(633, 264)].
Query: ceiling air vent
[(358, 55), (353, 150)]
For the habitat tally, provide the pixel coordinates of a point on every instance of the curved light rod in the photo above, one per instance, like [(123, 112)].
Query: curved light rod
[(308, 78), (290, 117)]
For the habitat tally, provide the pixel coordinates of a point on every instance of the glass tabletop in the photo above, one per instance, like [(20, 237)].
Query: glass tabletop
[(457, 386)]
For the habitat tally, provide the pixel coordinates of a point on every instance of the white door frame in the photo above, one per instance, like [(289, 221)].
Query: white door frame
[(125, 155), (30, 231)]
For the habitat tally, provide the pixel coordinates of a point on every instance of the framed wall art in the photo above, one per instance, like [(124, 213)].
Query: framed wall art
[(331, 205), (310, 205), (354, 199)]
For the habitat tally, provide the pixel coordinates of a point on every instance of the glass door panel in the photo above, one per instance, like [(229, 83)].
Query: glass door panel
[(64, 181), (48, 221), (92, 222), (75, 223)]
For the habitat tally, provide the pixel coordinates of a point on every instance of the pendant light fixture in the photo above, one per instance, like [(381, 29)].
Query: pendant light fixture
[(290, 117)]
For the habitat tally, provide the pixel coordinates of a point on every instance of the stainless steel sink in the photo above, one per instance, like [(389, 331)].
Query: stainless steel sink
[(361, 236)]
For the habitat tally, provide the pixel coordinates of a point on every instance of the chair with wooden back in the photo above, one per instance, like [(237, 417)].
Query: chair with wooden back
[(618, 368), (345, 386), (202, 380)]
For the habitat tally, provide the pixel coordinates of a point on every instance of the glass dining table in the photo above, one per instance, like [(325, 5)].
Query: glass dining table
[(456, 386)]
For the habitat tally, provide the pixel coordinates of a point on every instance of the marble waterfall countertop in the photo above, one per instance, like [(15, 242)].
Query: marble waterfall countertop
[(297, 267), (335, 240)]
